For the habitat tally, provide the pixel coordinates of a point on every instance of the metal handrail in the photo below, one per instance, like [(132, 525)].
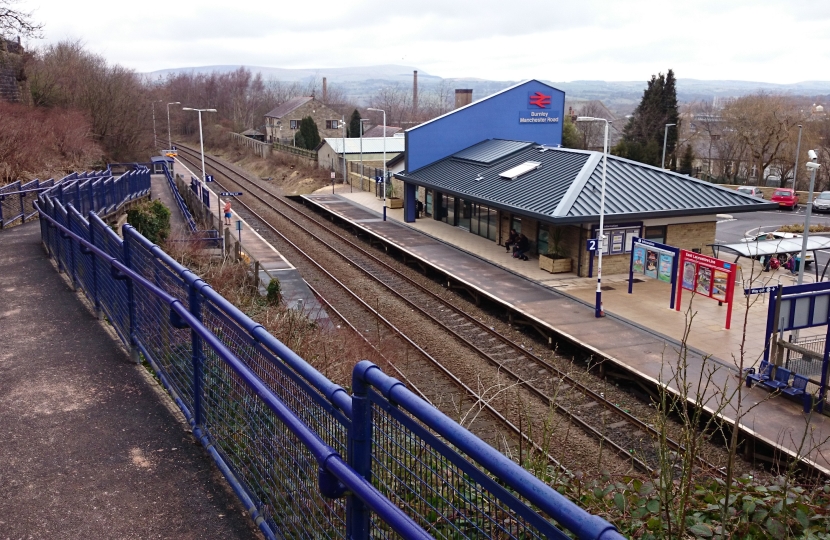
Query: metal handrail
[(335, 473)]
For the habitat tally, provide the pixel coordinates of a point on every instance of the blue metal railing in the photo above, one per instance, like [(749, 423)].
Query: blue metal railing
[(210, 236), (278, 428)]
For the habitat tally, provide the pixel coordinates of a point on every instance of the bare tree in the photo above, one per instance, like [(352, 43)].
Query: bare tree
[(763, 123), (13, 21)]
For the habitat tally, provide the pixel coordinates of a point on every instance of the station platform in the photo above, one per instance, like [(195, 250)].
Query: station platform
[(640, 334), (272, 264), (90, 447)]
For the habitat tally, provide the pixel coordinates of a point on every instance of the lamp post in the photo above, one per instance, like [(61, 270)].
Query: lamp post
[(598, 311), (813, 166), (204, 175), (155, 139), (361, 151), (384, 159), (345, 173), (169, 137), (797, 151), (665, 138)]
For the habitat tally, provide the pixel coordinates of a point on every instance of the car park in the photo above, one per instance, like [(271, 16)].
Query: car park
[(758, 236), (752, 191), (785, 197), (822, 202)]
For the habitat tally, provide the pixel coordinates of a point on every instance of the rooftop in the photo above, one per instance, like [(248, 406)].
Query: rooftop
[(565, 187), (288, 107)]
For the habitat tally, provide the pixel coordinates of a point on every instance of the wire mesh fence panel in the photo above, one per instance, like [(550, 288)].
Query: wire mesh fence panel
[(170, 348), (442, 490), (29, 197), (84, 273), (306, 402), (112, 293), (11, 210), (275, 467), (807, 365)]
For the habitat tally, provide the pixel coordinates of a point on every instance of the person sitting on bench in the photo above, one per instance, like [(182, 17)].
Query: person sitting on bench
[(512, 238), (522, 247)]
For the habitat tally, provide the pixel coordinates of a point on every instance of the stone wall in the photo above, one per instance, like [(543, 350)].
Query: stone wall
[(692, 236), (13, 83)]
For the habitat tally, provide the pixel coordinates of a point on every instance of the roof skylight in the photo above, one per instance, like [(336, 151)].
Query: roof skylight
[(518, 170)]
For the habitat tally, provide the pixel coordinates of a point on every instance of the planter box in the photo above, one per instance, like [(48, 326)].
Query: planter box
[(554, 266), (394, 202)]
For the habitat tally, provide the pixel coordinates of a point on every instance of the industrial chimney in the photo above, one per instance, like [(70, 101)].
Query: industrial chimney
[(415, 91), (463, 96), (325, 91)]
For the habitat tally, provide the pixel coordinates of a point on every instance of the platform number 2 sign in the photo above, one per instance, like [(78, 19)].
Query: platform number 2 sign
[(593, 244)]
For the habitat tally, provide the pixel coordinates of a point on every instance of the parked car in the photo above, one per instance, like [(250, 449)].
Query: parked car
[(751, 191), (822, 202), (778, 235), (785, 197)]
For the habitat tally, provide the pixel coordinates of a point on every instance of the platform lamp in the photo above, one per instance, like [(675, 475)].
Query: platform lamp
[(384, 159), (813, 166), (665, 138), (204, 175), (362, 120), (598, 311), (169, 137)]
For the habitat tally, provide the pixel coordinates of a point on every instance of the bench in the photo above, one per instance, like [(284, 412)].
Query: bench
[(780, 381), (798, 389), (764, 372)]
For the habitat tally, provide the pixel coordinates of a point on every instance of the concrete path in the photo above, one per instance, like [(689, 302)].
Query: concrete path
[(160, 189), (89, 448)]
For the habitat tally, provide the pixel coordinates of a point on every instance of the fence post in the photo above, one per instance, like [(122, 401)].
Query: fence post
[(359, 451), (130, 299), (195, 301), (95, 299), (70, 245)]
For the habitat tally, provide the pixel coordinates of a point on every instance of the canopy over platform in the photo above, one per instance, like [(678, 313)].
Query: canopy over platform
[(766, 248)]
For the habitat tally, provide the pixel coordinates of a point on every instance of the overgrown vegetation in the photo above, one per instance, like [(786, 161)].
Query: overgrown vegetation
[(799, 228), (151, 219)]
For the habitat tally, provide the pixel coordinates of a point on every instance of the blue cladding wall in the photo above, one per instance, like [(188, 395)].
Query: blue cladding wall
[(518, 113)]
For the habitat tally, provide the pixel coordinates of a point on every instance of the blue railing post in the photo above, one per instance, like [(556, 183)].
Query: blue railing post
[(70, 243), (130, 300), (359, 451), (95, 298), (195, 299)]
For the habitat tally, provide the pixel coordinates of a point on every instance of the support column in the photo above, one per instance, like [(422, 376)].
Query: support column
[(409, 203)]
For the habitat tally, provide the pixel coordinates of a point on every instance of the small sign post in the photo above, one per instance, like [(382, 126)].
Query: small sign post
[(239, 230), (592, 245), (655, 260), (208, 178), (707, 276), (231, 193), (332, 182)]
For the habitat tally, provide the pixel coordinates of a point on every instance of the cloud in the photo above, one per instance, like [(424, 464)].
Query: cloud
[(772, 40)]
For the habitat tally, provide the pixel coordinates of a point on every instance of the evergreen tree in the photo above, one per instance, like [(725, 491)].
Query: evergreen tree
[(643, 135), (354, 125), (570, 135), (687, 161), (308, 134)]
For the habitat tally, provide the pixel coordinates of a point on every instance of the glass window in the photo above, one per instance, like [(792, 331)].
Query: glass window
[(465, 213), (428, 203), (516, 224), (492, 224), (824, 195), (474, 219), (448, 209), (656, 234), (542, 239)]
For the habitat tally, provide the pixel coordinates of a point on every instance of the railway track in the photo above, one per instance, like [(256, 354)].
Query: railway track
[(629, 437)]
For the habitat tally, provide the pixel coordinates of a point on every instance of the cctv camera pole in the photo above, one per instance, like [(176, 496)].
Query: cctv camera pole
[(813, 166)]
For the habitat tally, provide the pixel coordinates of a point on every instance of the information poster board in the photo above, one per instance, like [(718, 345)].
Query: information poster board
[(707, 276), (654, 260)]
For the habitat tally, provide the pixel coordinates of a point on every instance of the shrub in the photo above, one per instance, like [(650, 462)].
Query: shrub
[(151, 219)]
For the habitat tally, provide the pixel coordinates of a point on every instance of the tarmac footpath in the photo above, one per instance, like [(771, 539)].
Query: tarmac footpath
[(89, 445)]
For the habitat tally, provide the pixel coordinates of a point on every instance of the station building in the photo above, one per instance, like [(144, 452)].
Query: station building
[(498, 164)]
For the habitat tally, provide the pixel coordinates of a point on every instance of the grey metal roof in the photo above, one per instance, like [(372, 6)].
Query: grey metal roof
[(288, 107), (566, 187), (377, 131), (491, 150)]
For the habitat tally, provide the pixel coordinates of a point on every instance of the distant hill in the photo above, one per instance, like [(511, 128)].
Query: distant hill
[(620, 96)]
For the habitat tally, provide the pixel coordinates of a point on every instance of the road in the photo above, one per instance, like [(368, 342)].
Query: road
[(733, 230)]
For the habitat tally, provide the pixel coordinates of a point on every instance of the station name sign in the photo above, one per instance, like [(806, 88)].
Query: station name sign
[(538, 117)]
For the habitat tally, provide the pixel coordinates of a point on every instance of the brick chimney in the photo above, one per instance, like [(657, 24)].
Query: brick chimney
[(415, 91), (325, 91), (463, 96)]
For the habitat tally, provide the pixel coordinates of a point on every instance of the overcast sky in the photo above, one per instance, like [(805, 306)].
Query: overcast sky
[(779, 41)]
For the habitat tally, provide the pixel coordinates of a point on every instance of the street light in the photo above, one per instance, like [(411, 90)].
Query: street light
[(665, 137), (155, 139), (384, 159), (797, 151), (598, 312), (204, 175), (169, 138), (361, 151), (813, 166)]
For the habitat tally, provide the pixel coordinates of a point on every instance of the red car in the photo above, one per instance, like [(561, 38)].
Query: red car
[(785, 197)]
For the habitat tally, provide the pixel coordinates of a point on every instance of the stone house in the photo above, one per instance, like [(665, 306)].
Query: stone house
[(282, 122)]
